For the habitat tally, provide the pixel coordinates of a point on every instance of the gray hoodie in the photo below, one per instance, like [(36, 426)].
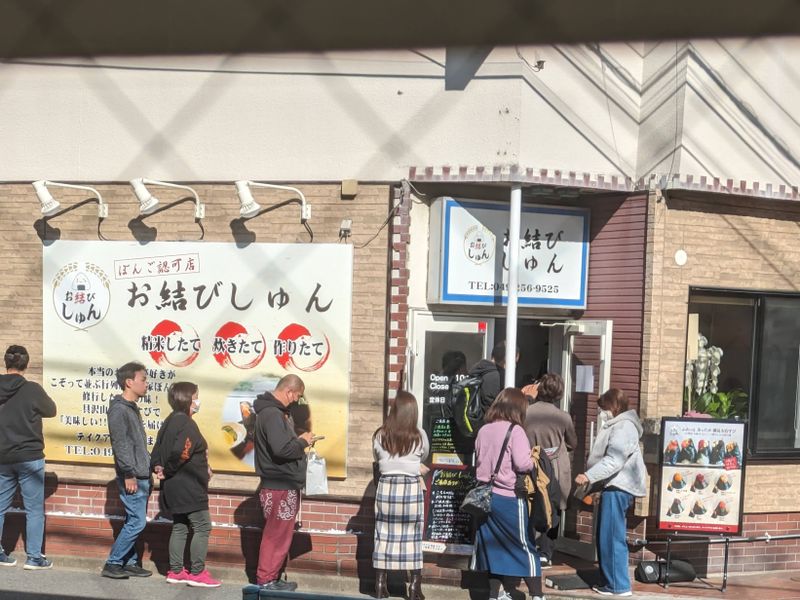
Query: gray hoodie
[(128, 439), (616, 459)]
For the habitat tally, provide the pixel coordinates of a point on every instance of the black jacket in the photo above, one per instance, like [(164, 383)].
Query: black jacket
[(180, 449), (280, 454), (491, 381), (23, 403)]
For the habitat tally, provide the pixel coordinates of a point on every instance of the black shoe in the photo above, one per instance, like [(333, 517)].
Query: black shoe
[(114, 572), (279, 585), (136, 571)]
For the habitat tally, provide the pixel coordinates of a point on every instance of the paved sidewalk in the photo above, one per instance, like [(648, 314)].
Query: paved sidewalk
[(79, 579)]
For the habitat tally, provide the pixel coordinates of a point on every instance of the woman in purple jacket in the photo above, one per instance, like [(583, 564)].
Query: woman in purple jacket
[(502, 545)]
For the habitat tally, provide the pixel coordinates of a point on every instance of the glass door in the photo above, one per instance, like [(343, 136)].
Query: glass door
[(581, 352), (443, 348)]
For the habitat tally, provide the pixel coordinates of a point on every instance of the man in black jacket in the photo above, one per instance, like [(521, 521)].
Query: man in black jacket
[(492, 373), (132, 463), (23, 403), (281, 463)]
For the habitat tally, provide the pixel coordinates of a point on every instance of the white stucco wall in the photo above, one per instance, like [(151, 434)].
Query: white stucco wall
[(720, 109)]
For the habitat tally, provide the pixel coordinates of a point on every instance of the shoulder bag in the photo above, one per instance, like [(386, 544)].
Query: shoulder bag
[(478, 501)]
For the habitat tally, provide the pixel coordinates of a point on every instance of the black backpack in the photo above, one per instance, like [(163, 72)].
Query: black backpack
[(465, 405)]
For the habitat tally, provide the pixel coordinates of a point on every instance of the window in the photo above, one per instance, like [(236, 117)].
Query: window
[(747, 364)]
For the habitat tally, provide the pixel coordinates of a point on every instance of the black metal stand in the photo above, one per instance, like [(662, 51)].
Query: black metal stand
[(722, 539), (725, 565)]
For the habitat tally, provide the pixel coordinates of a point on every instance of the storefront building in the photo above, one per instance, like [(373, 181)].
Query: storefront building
[(681, 161)]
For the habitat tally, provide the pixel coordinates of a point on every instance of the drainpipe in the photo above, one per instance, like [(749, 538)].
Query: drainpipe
[(515, 213)]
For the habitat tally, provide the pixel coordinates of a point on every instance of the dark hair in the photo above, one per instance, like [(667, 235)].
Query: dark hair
[(614, 400), (400, 434), (551, 388), (510, 405), (290, 382), (128, 371), (499, 352), (180, 395), (453, 363), (17, 358)]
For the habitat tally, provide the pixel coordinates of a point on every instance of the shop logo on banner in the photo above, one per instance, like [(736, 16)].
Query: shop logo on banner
[(171, 344), (297, 348), (479, 244), (235, 346), (81, 294)]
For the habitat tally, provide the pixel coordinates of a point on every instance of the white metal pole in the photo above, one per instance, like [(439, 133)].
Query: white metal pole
[(515, 213)]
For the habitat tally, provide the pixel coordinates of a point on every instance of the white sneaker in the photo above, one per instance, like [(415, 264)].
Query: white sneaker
[(604, 591)]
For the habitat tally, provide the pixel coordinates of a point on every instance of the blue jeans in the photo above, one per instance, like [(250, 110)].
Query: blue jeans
[(123, 552), (612, 549), (30, 477)]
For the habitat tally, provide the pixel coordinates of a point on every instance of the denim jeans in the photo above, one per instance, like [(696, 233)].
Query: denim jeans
[(612, 549), (30, 477), (123, 552)]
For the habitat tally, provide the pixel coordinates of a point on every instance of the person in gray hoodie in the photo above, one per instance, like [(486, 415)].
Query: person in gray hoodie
[(23, 404), (616, 465), (132, 463)]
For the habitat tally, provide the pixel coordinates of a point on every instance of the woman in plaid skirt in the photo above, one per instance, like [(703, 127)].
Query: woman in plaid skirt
[(399, 447)]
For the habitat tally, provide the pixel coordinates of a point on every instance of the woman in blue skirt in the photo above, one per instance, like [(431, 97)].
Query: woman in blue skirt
[(502, 545)]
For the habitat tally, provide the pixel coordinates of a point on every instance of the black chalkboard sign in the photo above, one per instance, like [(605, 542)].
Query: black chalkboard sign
[(448, 446), (444, 521)]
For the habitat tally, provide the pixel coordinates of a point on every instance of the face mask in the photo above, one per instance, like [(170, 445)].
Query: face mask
[(196, 406), (605, 415)]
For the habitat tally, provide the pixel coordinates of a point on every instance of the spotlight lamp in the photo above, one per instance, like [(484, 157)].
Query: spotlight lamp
[(51, 206), (148, 203), (249, 207)]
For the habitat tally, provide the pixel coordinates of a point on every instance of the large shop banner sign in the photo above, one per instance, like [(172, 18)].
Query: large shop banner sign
[(469, 254), (702, 475), (232, 320)]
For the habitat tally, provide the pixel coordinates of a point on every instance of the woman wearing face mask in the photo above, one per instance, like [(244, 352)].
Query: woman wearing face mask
[(616, 463), (180, 462)]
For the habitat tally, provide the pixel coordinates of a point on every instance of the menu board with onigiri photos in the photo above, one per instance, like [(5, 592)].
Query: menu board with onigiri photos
[(702, 475)]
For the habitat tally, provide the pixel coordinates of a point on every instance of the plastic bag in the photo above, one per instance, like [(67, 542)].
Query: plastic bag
[(316, 475)]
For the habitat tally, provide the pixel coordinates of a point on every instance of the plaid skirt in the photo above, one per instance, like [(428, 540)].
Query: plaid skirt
[(399, 516)]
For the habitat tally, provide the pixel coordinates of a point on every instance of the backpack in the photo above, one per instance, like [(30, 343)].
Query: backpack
[(465, 405)]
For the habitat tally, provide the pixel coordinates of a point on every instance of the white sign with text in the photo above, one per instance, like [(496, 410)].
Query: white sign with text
[(471, 266)]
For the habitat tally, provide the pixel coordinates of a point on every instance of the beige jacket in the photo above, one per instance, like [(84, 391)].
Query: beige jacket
[(551, 428)]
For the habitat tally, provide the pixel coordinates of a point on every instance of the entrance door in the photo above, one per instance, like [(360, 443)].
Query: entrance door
[(443, 347), (581, 352)]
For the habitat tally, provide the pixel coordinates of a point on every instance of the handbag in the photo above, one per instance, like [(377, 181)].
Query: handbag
[(316, 475), (478, 501)]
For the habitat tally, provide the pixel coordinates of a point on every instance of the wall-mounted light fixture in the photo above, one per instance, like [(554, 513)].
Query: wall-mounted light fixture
[(148, 203), (249, 207), (345, 229), (50, 205)]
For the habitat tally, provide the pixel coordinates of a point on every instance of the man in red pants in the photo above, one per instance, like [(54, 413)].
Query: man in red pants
[(281, 463)]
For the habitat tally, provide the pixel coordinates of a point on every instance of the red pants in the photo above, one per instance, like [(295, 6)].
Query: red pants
[(280, 510)]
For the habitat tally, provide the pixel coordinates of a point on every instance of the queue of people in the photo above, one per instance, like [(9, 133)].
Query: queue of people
[(518, 425)]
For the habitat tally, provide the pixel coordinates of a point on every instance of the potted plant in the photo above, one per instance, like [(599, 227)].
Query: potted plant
[(701, 395)]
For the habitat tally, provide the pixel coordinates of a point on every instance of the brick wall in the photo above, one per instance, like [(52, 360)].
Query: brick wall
[(744, 557), (737, 243), (398, 294), (84, 492)]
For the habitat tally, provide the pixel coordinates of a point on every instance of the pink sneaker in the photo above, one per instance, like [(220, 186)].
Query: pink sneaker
[(202, 579), (173, 577)]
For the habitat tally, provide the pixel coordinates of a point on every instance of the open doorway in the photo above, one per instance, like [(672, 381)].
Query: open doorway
[(532, 340)]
